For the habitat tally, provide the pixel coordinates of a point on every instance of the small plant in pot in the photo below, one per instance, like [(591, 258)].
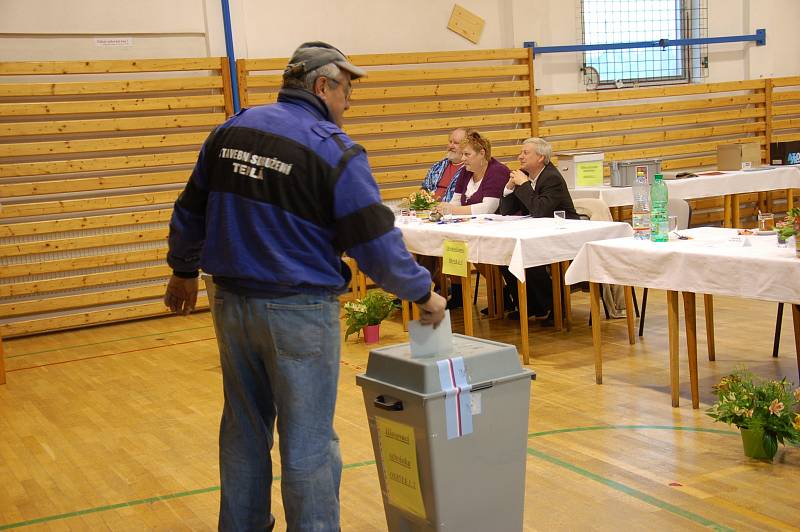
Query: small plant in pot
[(420, 201), (367, 313), (766, 411), (790, 227)]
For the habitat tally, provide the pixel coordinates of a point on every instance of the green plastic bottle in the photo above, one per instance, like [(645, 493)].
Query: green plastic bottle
[(659, 212)]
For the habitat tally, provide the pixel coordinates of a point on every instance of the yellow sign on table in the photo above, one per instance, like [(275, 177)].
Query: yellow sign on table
[(454, 260), (400, 470), (589, 174)]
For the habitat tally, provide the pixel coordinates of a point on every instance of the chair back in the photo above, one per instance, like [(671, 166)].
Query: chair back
[(681, 209), (596, 209)]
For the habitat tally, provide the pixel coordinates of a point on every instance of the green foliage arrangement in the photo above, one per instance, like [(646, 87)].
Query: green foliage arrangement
[(372, 309), (790, 225), (750, 402), (421, 200)]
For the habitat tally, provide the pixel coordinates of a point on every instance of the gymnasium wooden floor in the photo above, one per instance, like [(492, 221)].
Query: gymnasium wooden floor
[(115, 428)]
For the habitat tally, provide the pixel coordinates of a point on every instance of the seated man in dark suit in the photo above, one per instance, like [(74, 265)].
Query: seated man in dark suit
[(536, 189)]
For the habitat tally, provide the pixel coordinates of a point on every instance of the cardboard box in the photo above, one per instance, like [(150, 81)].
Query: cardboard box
[(581, 169), (739, 156)]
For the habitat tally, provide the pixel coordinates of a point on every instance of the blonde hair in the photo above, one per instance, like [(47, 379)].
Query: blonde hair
[(474, 140)]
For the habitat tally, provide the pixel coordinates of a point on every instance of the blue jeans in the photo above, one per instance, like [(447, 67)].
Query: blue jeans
[(280, 359)]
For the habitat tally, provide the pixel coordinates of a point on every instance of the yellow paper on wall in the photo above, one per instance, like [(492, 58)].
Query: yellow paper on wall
[(589, 174), (400, 469), (454, 260)]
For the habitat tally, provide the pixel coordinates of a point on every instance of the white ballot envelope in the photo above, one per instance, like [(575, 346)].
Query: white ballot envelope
[(425, 341)]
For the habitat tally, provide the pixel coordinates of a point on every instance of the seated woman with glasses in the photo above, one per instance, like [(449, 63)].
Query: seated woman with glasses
[(480, 187)]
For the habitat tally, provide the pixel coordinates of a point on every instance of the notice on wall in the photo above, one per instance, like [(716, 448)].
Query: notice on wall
[(465, 23), (400, 469), (454, 261), (113, 42)]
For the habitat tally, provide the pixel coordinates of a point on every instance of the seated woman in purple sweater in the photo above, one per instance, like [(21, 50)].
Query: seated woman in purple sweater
[(480, 187)]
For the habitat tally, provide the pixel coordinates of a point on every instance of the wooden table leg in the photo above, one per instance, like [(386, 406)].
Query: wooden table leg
[(567, 297), (555, 274), (690, 320), (466, 298), (736, 211), (763, 203), (490, 304), (726, 211), (442, 276), (362, 284), (629, 315), (3, 360), (499, 297), (522, 297), (796, 321), (594, 296), (789, 199), (674, 372), (405, 313), (708, 305), (355, 286), (414, 312)]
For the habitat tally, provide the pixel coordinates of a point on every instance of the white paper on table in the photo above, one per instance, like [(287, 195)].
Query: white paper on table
[(737, 241), (425, 341), (500, 217)]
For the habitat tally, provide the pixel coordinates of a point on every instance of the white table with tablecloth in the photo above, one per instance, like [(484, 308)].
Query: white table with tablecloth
[(713, 261), (726, 184), (516, 242)]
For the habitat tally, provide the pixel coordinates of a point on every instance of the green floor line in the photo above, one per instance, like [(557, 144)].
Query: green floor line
[(97, 509), (359, 464), (631, 427), (625, 489), (107, 341), (633, 492), (149, 500)]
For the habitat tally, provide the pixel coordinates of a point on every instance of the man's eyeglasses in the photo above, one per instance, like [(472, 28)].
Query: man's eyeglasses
[(348, 89)]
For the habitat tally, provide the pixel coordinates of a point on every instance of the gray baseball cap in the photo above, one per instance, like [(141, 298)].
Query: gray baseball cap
[(312, 55)]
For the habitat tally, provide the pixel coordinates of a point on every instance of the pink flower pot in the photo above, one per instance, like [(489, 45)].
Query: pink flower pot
[(372, 333)]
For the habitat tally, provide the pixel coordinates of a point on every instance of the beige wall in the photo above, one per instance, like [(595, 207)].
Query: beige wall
[(358, 26), (66, 29)]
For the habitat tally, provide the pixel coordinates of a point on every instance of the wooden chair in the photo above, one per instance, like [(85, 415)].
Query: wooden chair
[(358, 281), (597, 210)]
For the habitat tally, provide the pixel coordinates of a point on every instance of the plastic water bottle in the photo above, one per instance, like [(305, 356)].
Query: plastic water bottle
[(659, 213), (641, 207)]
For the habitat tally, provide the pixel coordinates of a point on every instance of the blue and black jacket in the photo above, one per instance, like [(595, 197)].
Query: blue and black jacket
[(278, 193)]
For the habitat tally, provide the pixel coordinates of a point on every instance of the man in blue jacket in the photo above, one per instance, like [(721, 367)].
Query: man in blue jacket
[(442, 176), (278, 193)]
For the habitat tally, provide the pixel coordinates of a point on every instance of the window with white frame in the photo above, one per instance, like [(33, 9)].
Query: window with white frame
[(630, 21)]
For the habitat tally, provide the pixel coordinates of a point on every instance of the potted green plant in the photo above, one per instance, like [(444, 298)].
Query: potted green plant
[(420, 201), (790, 227), (367, 313), (766, 411)]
